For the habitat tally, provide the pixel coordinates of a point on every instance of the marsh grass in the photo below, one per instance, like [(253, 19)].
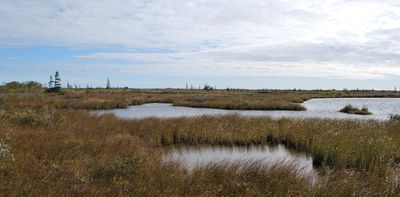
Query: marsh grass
[(337, 143), (349, 109), (85, 155), (64, 151), (221, 99)]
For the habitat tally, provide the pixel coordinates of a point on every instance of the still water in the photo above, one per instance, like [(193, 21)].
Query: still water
[(191, 157), (316, 108)]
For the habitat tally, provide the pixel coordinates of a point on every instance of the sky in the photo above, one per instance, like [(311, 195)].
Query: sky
[(307, 44)]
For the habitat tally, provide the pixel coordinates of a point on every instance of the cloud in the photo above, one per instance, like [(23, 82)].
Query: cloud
[(330, 38), (324, 60), (190, 24)]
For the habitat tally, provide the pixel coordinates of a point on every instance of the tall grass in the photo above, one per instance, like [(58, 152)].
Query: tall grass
[(63, 151), (121, 98), (337, 143), (81, 154)]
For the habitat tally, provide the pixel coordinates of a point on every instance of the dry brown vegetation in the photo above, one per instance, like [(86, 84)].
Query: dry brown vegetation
[(221, 99), (57, 150)]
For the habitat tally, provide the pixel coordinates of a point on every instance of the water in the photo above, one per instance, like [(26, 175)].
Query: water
[(191, 157), (316, 108)]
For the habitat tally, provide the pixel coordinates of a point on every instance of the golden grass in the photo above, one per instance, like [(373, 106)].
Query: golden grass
[(221, 99), (82, 155), (79, 154), (70, 153)]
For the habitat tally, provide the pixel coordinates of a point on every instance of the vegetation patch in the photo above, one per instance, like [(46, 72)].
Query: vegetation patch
[(74, 153), (394, 117), (349, 109)]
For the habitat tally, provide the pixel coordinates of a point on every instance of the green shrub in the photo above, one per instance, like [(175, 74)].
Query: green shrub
[(349, 109), (394, 117), (120, 167), (22, 85), (30, 117)]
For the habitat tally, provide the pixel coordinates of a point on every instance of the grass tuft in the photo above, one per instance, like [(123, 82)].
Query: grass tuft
[(349, 109)]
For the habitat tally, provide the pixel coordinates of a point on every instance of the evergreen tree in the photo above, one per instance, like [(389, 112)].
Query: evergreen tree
[(55, 85), (57, 82), (108, 84), (207, 87), (51, 82)]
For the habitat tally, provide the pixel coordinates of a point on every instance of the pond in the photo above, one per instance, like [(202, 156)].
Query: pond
[(316, 108), (191, 157)]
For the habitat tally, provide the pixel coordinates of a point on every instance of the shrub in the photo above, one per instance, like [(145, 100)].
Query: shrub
[(349, 109), (30, 117), (55, 90), (208, 87), (5, 152), (21, 85), (43, 117), (3, 106), (120, 167), (394, 117)]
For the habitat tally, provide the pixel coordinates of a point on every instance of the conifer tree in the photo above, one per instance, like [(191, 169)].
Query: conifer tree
[(108, 84), (57, 82), (51, 82)]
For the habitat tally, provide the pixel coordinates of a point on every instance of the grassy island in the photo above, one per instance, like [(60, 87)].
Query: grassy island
[(349, 109)]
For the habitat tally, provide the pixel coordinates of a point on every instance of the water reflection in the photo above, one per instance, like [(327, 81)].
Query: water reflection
[(191, 157)]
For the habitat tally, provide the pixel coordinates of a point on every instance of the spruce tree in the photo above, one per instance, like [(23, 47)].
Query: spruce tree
[(108, 84), (57, 82), (51, 82)]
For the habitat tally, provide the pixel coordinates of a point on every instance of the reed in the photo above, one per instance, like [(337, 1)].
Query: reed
[(59, 150), (79, 154)]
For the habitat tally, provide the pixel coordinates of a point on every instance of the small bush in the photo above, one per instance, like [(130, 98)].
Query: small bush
[(5, 152), (394, 117), (120, 167), (42, 117), (55, 90), (2, 107), (349, 109), (23, 85), (30, 117), (208, 87)]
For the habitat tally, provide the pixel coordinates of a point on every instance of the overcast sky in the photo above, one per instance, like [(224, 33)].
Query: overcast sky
[(228, 43)]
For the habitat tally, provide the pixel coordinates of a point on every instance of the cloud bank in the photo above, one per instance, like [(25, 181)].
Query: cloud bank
[(358, 39)]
